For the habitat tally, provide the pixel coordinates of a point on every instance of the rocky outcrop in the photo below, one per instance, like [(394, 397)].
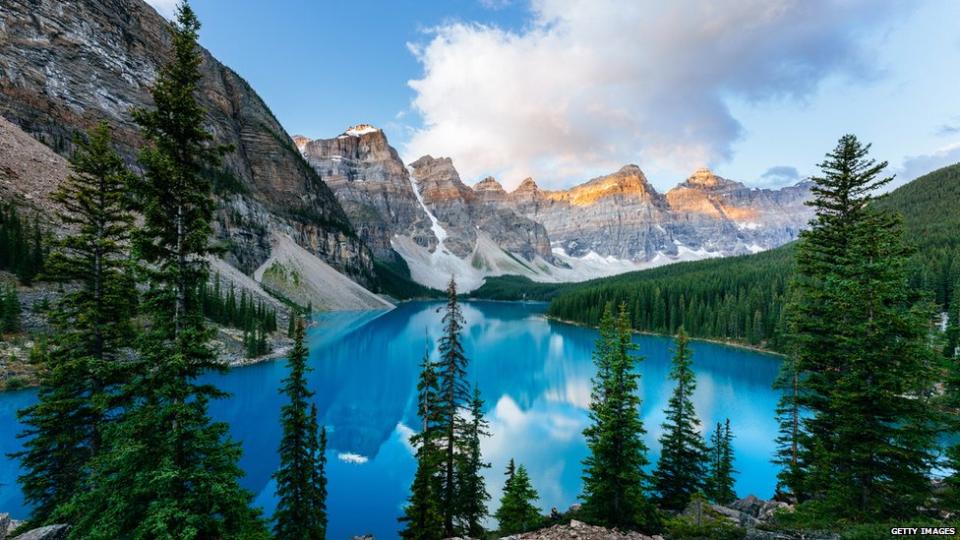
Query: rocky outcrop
[(65, 66), (623, 216), (619, 215), (582, 531), (372, 185), (463, 212), (724, 213), (50, 532)]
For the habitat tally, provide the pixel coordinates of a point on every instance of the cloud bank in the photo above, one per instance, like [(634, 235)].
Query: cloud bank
[(590, 85)]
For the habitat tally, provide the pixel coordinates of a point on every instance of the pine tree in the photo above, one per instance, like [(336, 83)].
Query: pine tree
[(613, 481), (318, 480), (169, 471), (517, 512), (80, 373), (472, 491), (301, 488), (422, 515), (11, 311), (452, 395), (719, 484), (788, 457), (681, 469), (860, 346), (951, 348)]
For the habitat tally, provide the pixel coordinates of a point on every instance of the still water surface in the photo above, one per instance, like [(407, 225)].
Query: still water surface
[(533, 373)]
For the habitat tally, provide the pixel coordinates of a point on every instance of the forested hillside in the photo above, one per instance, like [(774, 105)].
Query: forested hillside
[(742, 298)]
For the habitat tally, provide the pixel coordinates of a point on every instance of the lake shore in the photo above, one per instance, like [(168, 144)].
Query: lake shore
[(734, 344)]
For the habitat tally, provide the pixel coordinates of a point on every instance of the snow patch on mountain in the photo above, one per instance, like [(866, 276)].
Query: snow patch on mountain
[(360, 129)]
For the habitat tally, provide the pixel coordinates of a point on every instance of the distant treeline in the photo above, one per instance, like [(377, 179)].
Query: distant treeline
[(742, 298), (255, 318), (21, 244)]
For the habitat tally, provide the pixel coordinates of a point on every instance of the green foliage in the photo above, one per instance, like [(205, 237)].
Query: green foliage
[(517, 512), (452, 395), (10, 310), (395, 281), (167, 470), (300, 480), (683, 455), (448, 496), (223, 309), (81, 371), (719, 484), (14, 383), (742, 298), (708, 525), (860, 343), (422, 516), (518, 288), (737, 298), (788, 416), (613, 478), (472, 493), (951, 408), (21, 244)]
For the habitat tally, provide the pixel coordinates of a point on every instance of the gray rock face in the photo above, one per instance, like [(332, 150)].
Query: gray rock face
[(372, 185), (622, 215), (463, 211), (50, 532), (65, 66), (619, 214), (727, 216)]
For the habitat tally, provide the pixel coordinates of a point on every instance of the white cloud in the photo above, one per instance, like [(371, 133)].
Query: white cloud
[(167, 8), (592, 84)]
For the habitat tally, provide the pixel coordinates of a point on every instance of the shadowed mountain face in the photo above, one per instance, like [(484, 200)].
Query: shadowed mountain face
[(66, 65)]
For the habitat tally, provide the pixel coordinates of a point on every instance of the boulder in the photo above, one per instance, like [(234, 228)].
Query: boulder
[(748, 505), (769, 508), (4, 525), (50, 532)]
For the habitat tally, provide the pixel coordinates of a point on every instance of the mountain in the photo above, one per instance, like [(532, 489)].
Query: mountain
[(65, 66), (742, 298), (372, 185), (622, 216), (423, 219)]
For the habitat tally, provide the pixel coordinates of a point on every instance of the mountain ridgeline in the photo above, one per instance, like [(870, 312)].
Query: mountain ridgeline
[(424, 219), (742, 298)]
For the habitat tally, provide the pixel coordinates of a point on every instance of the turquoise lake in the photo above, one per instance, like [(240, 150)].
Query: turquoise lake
[(534, 375)]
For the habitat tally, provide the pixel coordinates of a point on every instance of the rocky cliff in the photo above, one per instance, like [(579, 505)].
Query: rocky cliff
[(372, 185), (464, 212), (622, 216), (66, 65), (619, 215)]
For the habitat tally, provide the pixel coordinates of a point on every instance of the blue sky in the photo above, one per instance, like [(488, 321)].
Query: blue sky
[(563, 90)]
